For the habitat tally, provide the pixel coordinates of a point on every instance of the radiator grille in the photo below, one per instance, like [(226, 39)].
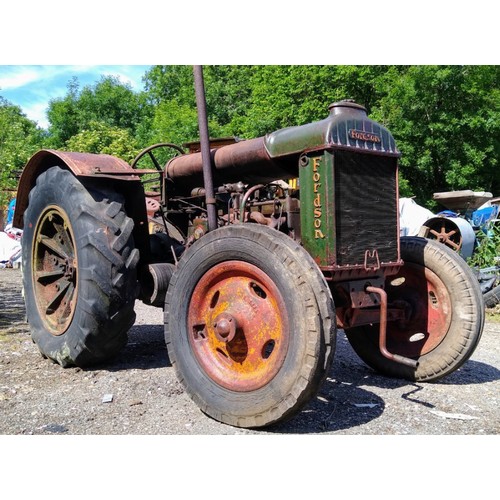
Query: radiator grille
[(365, 207)]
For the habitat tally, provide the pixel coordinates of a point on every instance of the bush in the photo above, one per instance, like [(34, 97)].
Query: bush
[(487, 251)]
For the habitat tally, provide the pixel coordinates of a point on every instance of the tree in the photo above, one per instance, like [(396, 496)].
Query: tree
[(446, 122), (107, 139), (20, 138), (111, 102), (63, 116), (283, 96), (108, 101)]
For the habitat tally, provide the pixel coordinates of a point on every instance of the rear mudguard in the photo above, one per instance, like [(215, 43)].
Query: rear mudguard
[(81, 164), (109, 169)]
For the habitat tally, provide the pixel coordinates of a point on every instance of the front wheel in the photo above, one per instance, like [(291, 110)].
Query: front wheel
[(445, 314), (79, 269), (249, 325)]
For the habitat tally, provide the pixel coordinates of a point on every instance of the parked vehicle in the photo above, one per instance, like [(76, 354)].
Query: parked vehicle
[(257, 250)]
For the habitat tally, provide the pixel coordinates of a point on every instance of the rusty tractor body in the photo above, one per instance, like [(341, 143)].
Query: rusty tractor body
[(304, 239)]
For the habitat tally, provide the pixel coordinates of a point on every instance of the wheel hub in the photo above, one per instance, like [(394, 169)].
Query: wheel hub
[(428, 304), (238, 326), (225, 327)]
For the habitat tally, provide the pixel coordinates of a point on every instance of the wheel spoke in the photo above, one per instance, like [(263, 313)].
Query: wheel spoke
[(66, 303), (46, 277), (56, 300), (52, 244), (155, 161), (65, 239)]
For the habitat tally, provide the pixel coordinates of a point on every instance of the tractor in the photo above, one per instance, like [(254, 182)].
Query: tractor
[(259, 251)]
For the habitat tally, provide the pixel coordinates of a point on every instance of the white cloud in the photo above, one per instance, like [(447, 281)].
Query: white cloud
[(38, 113), (17, 76)]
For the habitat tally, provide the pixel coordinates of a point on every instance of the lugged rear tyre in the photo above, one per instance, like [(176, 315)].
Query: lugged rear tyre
[(79, 270)]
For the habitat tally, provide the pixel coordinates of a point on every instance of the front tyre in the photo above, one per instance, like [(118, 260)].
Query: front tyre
[(79, 270), (445, 314), (249, 325)]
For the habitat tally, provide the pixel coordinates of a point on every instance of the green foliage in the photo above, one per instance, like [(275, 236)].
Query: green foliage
[(293, 95), (487, 251), (446, 122), (19, 139), (109, 102), (102, 138), (173, 122), (167, 83), (63, 116), (446, 119)]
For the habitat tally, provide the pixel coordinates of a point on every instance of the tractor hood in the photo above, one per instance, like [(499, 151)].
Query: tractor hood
[(347, 126)]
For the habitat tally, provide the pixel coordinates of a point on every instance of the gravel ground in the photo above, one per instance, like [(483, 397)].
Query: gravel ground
[(39, 397), (136, 397)]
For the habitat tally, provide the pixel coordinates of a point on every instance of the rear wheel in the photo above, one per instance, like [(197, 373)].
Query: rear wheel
[(445, 314), (249, 325), (79, 270)]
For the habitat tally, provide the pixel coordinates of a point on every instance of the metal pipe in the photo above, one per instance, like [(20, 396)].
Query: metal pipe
[(246, 161), (383, 330), (205, 147), (245, 199)]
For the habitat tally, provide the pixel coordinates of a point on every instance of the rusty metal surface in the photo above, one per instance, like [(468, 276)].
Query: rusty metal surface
[(55, 266), (81, 164), (429, 305), (246, 161), (86, 163), (238, 326), (383, 330), (446, 232), (207, 164)]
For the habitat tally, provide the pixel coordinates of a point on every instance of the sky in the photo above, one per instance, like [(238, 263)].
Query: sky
[(32, 86)]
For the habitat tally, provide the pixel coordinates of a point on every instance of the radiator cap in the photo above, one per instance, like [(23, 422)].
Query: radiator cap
[(346, 106)]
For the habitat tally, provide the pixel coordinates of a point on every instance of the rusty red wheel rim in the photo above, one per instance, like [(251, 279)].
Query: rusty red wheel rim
[(238, 326), (54, 268), (428, 305)]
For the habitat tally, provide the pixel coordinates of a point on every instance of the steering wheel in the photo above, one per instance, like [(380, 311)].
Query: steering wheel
[(149, 151)]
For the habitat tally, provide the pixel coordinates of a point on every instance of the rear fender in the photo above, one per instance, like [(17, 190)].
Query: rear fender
[(89, 166), (81, 164)]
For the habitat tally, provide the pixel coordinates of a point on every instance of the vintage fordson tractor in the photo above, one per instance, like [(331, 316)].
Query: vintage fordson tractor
[(295, 234)]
